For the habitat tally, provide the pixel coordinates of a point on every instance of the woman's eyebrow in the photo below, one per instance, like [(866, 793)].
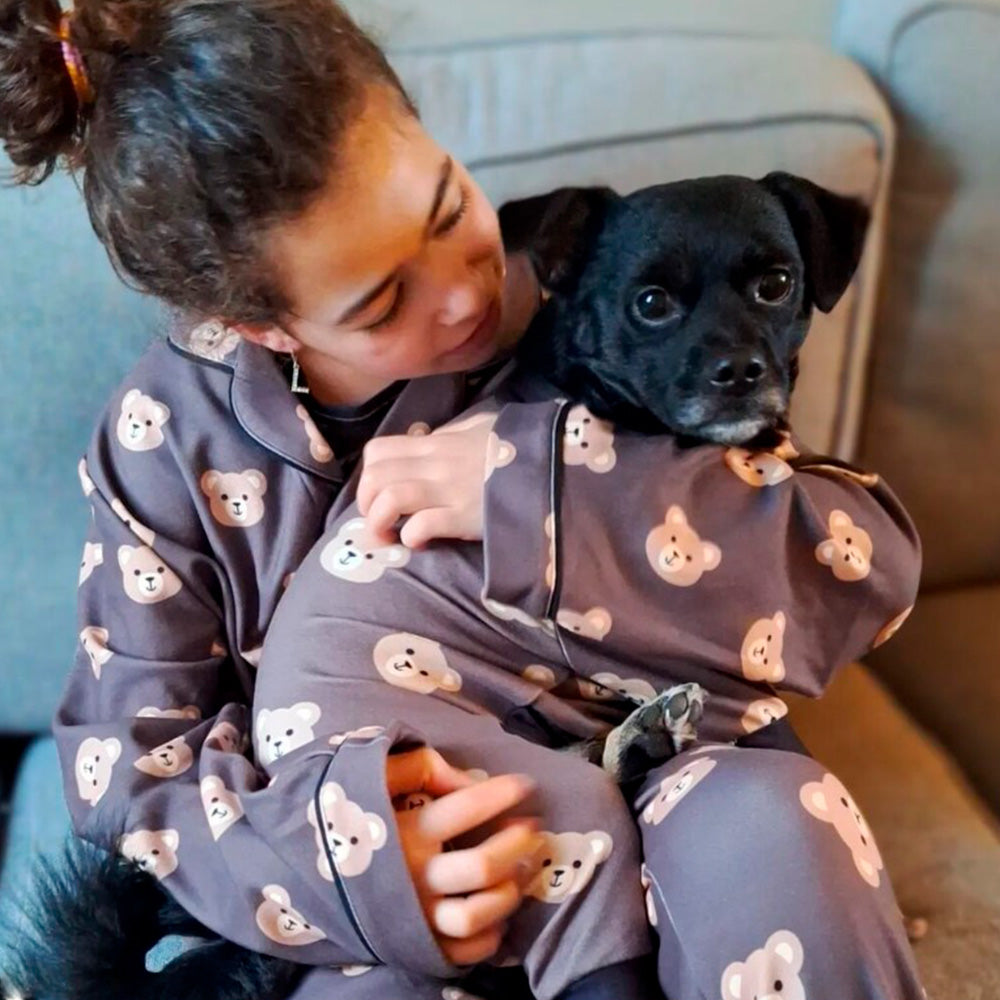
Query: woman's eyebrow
[(372, 294)]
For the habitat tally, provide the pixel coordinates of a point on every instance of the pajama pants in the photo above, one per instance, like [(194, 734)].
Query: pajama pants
[(746, 870)]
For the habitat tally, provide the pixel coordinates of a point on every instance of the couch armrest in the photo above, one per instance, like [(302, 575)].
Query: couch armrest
[(933, 422)]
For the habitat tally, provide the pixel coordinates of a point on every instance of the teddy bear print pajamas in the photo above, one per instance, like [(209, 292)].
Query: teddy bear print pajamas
[(613, 567)]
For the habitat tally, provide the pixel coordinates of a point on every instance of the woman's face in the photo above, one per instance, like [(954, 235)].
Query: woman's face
[(397, 269)]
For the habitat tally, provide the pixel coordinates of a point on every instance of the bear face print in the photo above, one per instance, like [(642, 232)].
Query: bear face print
[(499, 454), (352, 834), (213, 340), (848, 552), (252, 656), (192, 712), (762, 648), (758, 469), (646, 880), (417, 664), (593, 624), (770, 973), (147, 579), (354, 970), (86, 483), (282, 730), (167, 760), (235, 498), (890, 629), (508, 613), (606, 685), (675, 787), (94, 760), (140, 422), (93, 556), (677, 553), (588, 441), (568, 864), (226, 737), (348, 557), (828, 800), (281, 922), (763, 712), (318, 447), (550, 567), (95, 643), (140, 531), (364, 733), (222, 807), (154, 851), (538, 673)]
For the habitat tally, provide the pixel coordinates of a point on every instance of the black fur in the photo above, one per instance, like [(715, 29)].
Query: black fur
[(91, 919), (720, 364), (86, 923)]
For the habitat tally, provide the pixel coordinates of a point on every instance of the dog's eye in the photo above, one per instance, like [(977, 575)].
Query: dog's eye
[(653, 305), (773, 287)]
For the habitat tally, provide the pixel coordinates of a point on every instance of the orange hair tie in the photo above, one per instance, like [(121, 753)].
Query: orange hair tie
[(74, 64)]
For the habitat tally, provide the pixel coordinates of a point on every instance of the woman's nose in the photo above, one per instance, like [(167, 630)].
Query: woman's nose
[(464, 283)]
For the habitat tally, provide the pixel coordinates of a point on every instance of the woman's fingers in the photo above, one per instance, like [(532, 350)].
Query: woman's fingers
[(423, 770), (512, 854), (426, 525), (458, 812), (470, 951), (465, 918)]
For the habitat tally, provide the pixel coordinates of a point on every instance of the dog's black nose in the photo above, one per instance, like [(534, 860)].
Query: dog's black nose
[(742, 369)]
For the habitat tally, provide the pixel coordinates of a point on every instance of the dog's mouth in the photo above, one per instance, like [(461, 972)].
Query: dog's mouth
[(732, 423)]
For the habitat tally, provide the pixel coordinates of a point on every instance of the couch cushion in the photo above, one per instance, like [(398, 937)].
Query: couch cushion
[(39, 820), (637, 109), (69, 331), (434, 22), (940, 844)]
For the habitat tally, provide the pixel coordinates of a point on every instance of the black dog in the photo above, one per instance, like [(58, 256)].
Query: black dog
[(678, 309)]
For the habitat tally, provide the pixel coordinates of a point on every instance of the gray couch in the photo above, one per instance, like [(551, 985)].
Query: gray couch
[(902, 375)]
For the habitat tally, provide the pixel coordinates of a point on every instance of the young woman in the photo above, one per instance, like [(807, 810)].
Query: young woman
[(257, 166)]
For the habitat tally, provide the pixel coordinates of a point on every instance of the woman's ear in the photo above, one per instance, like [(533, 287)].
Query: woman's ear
[(556, 230), (269, 336), (829, 229)]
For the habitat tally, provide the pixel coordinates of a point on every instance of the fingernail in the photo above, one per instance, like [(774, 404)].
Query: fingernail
[(525, 782)]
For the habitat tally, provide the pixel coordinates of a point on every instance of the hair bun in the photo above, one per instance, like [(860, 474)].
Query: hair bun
[(40, 115)]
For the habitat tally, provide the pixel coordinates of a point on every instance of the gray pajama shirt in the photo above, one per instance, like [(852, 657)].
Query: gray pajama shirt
[(613, 566)]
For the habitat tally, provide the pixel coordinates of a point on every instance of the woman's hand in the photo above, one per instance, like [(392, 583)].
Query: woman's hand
[(467, 895), (436, 480)]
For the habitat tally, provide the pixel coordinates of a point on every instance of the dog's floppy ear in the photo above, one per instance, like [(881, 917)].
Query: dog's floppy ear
[(829, 229), (555, 230)]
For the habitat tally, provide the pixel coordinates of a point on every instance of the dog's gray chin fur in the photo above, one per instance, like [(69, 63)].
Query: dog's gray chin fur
[(734, 432)]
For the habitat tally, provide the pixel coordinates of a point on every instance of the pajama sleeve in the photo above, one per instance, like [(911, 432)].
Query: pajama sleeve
[(776, 567), (153, 727)]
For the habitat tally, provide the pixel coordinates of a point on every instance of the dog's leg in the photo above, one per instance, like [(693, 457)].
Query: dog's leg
[(654, 732)]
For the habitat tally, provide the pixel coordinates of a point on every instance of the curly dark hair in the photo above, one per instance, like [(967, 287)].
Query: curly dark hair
[(213, 120)]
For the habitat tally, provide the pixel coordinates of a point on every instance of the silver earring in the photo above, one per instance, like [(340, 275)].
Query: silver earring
[(297, 384)]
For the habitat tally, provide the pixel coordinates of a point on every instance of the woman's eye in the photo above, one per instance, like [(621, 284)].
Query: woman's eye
[(654, 306), (389, 316), (774, 286), (456, 217)]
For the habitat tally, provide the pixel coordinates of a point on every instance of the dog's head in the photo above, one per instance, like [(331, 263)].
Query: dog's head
[(682, 307)]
